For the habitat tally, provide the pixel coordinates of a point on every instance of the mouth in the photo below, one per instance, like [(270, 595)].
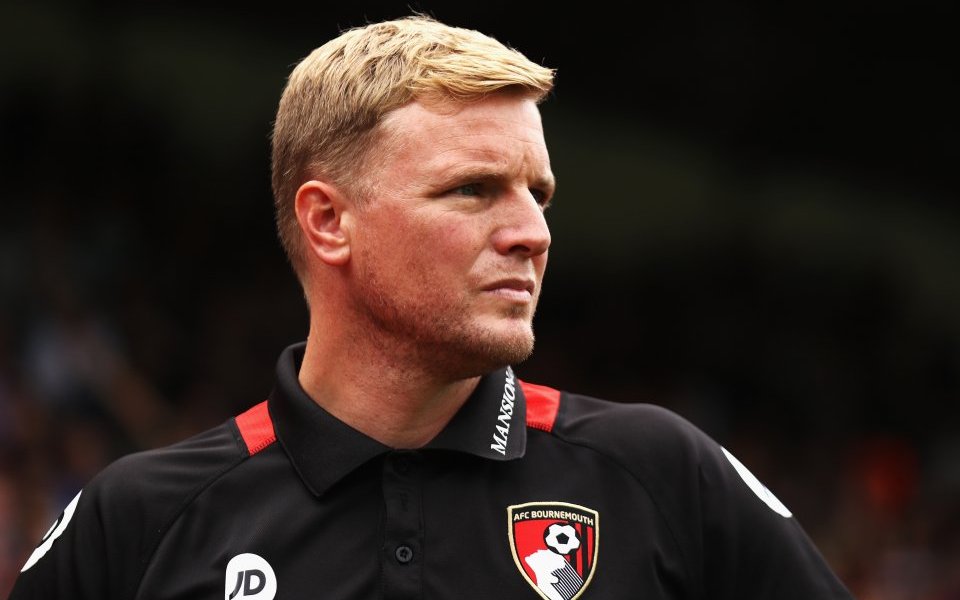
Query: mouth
[(517, 289)]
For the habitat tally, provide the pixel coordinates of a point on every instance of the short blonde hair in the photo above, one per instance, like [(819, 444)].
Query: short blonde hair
[(334, 99)]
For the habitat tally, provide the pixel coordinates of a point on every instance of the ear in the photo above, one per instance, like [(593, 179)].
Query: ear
[(320, 209)]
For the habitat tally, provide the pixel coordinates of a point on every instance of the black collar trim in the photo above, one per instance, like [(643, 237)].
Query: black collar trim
[(323, 449)]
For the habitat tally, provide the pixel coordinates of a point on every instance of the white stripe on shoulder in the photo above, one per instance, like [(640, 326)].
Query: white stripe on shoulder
[(758, 488)]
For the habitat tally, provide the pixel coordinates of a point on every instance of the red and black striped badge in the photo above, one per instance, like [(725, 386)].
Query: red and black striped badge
[(555, 546)]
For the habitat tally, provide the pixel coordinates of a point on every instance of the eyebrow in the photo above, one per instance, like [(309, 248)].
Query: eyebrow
[(483, 173)]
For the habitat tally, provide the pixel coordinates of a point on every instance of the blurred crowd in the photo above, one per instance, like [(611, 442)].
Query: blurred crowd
[(96, 362)]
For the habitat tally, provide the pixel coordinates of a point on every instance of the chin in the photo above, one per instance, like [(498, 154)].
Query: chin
[(480, 352)]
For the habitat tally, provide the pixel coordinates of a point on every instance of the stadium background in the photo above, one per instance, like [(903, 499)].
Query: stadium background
[(757, 226)]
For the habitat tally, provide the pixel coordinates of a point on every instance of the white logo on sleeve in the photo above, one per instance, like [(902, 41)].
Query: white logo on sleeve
[(758, 488), (55, 531), (249, 577)]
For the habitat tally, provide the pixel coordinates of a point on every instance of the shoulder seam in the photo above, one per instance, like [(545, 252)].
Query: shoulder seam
[(165, 528), (686, 559)]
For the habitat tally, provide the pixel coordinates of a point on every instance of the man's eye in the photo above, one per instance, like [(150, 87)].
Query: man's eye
[(540, 197), (469, 189)]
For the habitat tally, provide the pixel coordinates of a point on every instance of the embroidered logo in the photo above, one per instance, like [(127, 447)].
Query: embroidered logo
[(554, 544)]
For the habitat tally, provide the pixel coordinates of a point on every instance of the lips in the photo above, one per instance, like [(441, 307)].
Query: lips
[(516, 291), (512, 284)]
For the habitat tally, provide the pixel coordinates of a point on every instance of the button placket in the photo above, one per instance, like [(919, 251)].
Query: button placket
[(403, 528)]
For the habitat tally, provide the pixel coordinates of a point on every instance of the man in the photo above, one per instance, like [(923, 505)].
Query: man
[(398, 455)]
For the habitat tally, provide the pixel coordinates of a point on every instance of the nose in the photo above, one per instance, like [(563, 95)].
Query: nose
[(523, 230)]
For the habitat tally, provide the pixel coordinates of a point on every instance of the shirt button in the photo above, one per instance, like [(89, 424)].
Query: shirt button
[(402, 464), (404, 554)]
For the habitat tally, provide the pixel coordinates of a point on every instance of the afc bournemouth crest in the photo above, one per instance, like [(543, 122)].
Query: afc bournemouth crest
[(555, 546)]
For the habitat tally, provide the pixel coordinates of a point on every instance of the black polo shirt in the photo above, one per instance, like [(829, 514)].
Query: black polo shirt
[(527, 493)]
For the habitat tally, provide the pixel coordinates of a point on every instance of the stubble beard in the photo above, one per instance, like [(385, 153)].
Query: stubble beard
[(438, 335)]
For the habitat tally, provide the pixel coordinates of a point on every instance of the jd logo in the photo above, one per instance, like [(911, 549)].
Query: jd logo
[(249, 577)]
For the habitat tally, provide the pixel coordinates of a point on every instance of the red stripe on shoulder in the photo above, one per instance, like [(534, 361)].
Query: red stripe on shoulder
[(256, 428), (542, 405)]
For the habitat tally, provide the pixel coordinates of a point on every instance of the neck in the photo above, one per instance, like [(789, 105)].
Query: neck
[(371, 388)]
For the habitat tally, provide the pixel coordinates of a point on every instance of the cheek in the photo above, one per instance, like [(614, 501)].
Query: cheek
[(460, 237), (439, 249), (447, 265)]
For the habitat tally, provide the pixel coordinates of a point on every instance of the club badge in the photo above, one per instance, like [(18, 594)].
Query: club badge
[(555, 546)]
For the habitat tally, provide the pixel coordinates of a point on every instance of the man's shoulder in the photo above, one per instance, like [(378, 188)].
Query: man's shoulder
[(724, 520), (614, 426), (662, 450), (122, 514), (154, 484)]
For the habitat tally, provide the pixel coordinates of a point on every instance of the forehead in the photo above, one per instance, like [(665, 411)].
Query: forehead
[(502, 130)]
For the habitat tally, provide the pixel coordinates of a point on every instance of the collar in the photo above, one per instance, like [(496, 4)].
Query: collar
[(323, 449)]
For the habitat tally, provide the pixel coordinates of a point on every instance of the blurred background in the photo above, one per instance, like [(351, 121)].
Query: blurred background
[(757, 225)]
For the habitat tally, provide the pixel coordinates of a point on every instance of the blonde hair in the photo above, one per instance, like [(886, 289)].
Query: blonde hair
[(327, 120)]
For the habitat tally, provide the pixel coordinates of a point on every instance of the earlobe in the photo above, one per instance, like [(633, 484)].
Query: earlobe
[(320, 212)]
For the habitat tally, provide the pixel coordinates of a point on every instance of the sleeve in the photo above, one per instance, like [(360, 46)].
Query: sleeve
[(94, 549), (738, 541), (103, 542), (753, 546)]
